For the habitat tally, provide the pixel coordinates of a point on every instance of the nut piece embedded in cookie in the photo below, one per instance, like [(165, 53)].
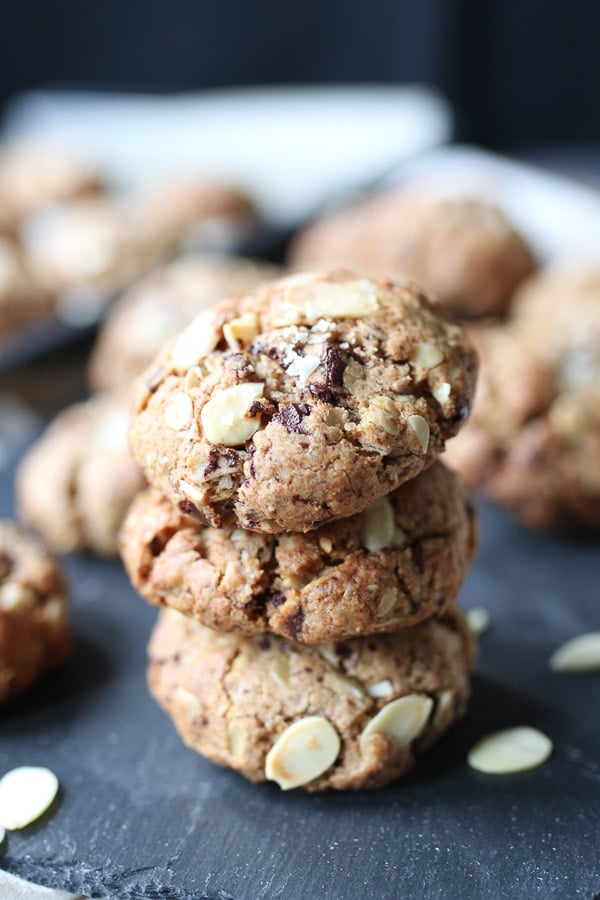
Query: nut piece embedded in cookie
[(328, 388), (349, 715), (303, 752), (226, 418), (401, 720), (400, 561)]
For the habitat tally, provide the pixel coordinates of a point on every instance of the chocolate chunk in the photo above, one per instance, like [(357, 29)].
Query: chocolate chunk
[(215, 457), (187, 507), (417, 555), (324, 393), (255, 608), (291, 417), (277, 598), (343, 650), (294, 624), (156, 545), (334, 365)]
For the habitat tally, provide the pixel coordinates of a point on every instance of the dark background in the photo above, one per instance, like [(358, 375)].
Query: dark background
[(517, 71)]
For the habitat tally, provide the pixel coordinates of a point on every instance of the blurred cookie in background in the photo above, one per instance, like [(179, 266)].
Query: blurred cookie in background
[(462, 249), (198, 213), (21, 300), (533, 441), (75, 484), (34, 629), (35, 175), (83, 252), (158, 307)]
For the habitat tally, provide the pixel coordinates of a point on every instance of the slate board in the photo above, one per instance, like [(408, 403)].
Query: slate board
[(140, 816)]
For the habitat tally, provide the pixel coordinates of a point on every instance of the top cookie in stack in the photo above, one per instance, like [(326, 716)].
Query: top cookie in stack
[(302, 403)]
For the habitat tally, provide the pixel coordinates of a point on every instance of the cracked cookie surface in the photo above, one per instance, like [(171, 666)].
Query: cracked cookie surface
[(371, 703), (533, 441), (34, 630), (75, 484), (303, 403), (400, 561)]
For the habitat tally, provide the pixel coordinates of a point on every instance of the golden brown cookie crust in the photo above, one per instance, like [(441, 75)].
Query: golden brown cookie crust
[(399, 562), (231, 697), (361, 381), (34, 628), (75, 484)]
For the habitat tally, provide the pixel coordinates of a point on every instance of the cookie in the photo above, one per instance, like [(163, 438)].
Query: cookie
[(85, 250), (533, 442), (302, 403), (34, 629), (76, 483), (21, 300), (159, 306), (33, 176), (462, 249), (400, 561), (348, 715), (201, 214)]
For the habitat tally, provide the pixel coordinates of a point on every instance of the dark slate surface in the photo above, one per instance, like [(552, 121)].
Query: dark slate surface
[(140, 816)]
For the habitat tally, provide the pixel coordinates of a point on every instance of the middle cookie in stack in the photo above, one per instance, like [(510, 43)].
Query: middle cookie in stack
[(285, 432)]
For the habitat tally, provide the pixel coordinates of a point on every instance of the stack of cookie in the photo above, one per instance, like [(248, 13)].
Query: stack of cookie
[(300, 531)]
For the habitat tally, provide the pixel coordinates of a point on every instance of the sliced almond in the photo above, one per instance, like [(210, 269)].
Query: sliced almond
[(316, 299), (388, 600), (382, 412), (580, 654), (512, 750), (197, 341), (189, 701), (478, 620), (402, 720), (224, 417), (381, 688), (350, 686), (280, 670), (179, 412), (426, 355), (420, 427), (241, 331), (303, 752), (377, 527), (25, 794), (443, 709), (238, 736), (441, 392)]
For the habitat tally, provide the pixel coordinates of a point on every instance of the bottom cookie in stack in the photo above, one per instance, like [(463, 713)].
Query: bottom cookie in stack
[(348, 715)]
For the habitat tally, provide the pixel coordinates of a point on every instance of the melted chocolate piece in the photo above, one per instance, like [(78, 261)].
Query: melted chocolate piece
[(334, 365), (186, 506), (295, 623), (324, 393), (341, 649), (215, 456), (291, 417)]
